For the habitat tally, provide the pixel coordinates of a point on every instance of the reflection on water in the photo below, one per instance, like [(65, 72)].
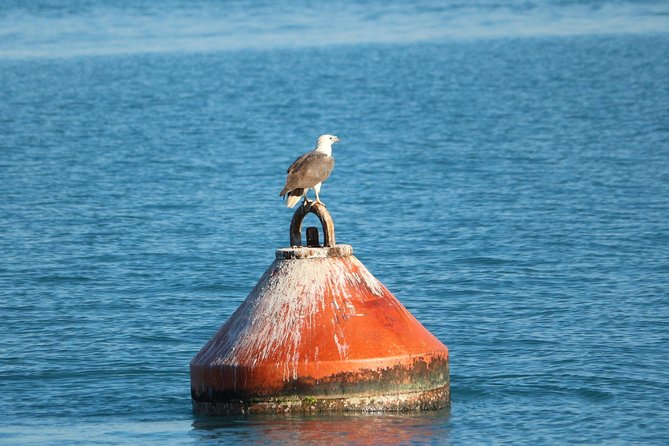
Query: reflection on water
[(385, 428)]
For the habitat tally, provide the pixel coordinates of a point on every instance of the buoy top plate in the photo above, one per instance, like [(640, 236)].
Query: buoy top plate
[(308, 252)]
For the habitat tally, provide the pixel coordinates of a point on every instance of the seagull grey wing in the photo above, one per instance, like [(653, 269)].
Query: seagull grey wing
[(298, 161), (309, 170)]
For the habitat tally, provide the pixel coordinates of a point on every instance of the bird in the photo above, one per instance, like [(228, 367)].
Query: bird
[(309, 171)]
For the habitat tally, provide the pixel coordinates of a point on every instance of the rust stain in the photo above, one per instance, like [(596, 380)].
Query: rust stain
[(434, 399), (424, 386)]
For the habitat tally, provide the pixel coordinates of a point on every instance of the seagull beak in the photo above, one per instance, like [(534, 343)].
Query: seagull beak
[(336, 139)]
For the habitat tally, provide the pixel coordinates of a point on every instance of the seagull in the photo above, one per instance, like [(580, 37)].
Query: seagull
[(309, 171)]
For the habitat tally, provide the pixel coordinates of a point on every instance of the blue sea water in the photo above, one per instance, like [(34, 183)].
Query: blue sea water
[(504, 171)]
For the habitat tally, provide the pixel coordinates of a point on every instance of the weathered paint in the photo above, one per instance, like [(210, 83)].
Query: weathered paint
[(397, 402), (319, 332)]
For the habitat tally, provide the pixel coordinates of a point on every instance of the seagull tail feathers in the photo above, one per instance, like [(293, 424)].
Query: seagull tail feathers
[(293, 200), (293, 197)]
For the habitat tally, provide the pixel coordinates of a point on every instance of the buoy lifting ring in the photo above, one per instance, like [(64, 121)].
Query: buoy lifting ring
[(323, 215), (329, 249)]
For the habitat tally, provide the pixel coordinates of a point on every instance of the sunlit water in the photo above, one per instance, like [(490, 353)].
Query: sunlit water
[(508, 180)]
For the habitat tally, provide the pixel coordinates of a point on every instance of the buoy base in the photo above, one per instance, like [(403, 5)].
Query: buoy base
[(411, 383), (421, 383), (409, 401)]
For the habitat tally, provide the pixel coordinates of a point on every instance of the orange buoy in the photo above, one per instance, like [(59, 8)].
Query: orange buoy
[(319, 332)]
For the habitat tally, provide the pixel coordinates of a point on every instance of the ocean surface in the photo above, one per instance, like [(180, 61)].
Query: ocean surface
[(503, 170)]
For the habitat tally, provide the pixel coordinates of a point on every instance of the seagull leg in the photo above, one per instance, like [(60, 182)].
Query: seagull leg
[(318, 200), (306, 199), (317, 189)]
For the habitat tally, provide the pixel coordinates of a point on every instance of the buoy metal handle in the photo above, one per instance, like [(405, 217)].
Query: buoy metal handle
[(323, 215)]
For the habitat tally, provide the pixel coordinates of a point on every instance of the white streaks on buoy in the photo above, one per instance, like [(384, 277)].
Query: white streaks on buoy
[(280, 313)]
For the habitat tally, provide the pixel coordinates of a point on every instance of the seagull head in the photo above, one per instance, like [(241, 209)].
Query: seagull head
[(326, 141)]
